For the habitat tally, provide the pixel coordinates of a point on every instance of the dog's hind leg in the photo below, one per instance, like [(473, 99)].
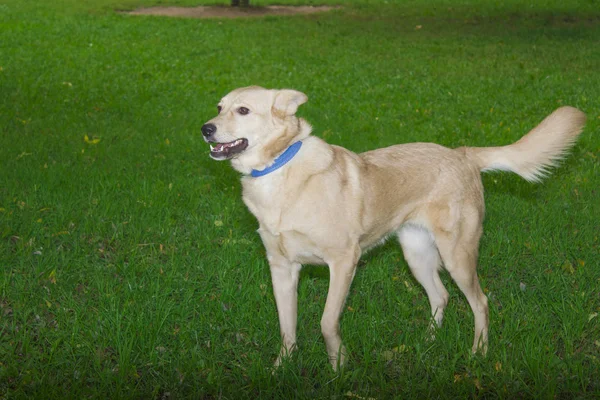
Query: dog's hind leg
[(459, 249), (424, 261), (341, 272)]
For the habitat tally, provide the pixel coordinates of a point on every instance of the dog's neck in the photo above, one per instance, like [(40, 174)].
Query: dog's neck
[(280, 161), (270, 154)]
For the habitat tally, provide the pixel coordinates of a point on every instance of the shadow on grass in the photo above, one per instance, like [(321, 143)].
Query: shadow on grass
[(523, 24)]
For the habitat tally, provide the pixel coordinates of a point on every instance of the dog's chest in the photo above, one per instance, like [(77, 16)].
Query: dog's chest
[(269, 204), (265, 201)]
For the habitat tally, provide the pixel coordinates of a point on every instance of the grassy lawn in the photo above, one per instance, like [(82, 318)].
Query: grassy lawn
[(130, 268)]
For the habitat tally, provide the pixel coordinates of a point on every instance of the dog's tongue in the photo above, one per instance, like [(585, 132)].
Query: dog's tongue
[(226, 148), (220, 146)]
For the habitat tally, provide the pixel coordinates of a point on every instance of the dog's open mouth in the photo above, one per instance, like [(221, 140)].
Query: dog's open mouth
[(225, 151)]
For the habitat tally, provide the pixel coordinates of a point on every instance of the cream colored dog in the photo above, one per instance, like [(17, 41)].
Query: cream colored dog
[(322, 204)]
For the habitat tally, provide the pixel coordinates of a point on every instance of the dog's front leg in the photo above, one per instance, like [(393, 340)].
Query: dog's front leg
[(285, 287), (341, 273)]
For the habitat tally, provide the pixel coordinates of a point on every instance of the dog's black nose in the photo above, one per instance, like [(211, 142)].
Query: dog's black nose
[(208, 129)]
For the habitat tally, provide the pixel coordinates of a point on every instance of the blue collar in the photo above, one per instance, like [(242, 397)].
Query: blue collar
[(280, 161)]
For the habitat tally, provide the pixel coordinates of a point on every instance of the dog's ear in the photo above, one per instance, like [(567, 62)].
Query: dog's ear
[(287, 102)]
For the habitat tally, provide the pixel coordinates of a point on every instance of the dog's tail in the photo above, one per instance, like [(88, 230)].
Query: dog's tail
[(535, 153)]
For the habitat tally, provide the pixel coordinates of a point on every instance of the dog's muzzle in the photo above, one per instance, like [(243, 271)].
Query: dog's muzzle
[(222, 151)]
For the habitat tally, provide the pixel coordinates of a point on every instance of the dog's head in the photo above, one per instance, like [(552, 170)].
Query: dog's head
[(254, 125)]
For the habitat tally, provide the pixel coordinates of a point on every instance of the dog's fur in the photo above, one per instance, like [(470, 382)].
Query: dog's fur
[(328, 205)]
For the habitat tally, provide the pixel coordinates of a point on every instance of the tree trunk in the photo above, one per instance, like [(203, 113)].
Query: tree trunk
[(240, 3)]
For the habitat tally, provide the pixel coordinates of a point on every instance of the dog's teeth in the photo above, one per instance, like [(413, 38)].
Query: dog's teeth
[(211, 147)]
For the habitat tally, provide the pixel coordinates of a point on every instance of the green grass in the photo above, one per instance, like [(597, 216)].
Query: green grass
[(130, 267)]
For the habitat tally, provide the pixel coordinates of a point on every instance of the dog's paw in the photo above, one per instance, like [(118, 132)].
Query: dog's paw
[(480, 350), (339, 360), (284, 355)]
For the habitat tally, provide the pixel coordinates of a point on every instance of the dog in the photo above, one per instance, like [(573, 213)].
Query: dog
[(318, 203)]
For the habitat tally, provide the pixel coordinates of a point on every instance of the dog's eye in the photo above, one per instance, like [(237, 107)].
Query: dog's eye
[(219, 108), (243, 111)]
